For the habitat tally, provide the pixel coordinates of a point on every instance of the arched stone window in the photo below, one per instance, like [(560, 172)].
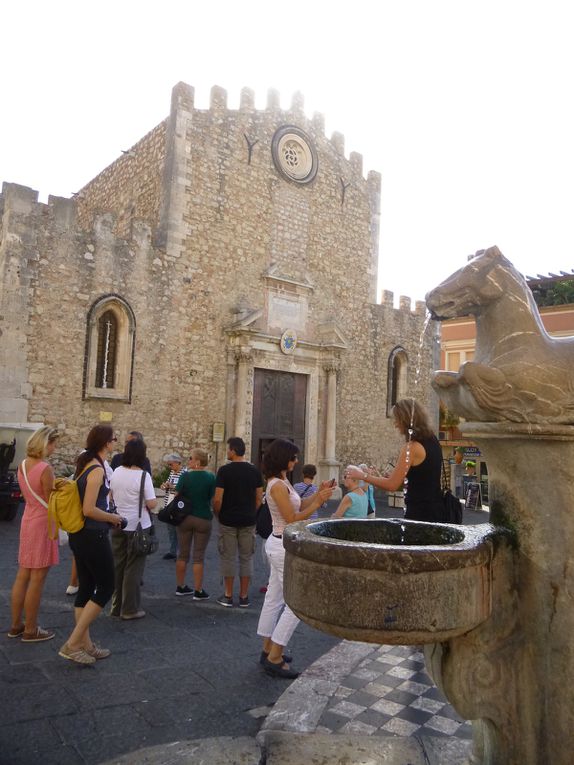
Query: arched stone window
[(106, 352), (397, 377), (109, 349)]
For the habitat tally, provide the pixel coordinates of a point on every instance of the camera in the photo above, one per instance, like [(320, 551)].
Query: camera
[(124, 521)]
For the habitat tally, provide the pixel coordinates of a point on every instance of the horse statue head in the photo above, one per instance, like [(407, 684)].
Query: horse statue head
[(519, 373), (486, 278)]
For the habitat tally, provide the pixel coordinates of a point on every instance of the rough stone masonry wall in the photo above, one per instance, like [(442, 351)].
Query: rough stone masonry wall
[(365, 433), (18, 261), (237, 219), (131, 187), (242, 217), (392, 327), (64, 270)]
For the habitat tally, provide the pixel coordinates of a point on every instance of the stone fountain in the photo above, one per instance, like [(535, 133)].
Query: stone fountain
[(494, 604)]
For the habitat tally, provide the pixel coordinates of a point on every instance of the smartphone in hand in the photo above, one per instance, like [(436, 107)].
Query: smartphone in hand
[(333, 482)]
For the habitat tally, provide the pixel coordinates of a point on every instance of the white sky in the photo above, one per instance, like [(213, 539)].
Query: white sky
[(465, 108)]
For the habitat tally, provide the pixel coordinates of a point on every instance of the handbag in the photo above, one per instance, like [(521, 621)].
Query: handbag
[(452, 506), (263, 522), (175, 511), (143, 541)]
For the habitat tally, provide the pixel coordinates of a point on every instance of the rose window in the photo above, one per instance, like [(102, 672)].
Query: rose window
[(294, 155)]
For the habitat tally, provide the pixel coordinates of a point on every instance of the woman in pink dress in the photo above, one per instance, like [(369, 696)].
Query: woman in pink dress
[(37, 551)]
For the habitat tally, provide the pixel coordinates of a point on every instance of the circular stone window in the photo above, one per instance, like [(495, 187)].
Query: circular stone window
[(294, 154)]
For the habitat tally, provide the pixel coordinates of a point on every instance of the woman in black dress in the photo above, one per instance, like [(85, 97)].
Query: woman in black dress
[(420, 463)]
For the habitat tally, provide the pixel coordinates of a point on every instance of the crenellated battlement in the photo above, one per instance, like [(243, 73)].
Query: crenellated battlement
[(23, 201), (218, 99), (18, 198), (295, 112), (247, 100), (141, 183), (405, 303), (183, 95)]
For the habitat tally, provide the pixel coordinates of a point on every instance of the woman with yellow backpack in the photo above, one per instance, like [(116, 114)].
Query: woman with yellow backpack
[(91, 546)]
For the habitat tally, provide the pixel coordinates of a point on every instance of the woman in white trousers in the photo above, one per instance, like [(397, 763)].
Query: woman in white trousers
[(277, 622)]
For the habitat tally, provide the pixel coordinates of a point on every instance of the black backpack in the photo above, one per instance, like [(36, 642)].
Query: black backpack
[(263, 522)]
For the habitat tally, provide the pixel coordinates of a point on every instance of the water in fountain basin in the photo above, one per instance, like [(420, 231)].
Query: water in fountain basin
[(386, 532), (416, 385)]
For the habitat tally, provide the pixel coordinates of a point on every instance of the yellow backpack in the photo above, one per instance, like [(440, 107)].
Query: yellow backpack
[(65, 507)]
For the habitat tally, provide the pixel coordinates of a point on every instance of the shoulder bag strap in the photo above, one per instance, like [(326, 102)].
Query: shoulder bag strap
[(40, 500), (445, 485), (306, 490), (142, 482), (86, 471)]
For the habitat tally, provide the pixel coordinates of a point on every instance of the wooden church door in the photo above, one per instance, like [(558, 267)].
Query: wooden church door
[(279, 409)]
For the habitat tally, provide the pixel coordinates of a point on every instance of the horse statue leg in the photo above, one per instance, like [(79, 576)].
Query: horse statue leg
[(475, 392)]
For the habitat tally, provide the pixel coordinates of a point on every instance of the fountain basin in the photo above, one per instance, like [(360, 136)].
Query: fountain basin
[(389, 581)]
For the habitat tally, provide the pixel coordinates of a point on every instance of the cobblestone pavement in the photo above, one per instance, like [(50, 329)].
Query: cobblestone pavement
[(389, 693), (187, 671)]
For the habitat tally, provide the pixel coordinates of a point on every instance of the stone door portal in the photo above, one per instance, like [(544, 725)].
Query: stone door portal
[(279, 410)]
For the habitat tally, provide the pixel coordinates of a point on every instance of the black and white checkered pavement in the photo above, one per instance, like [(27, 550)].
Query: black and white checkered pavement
[(389, 693)]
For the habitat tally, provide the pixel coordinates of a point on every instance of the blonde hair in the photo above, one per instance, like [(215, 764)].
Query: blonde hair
[(408, 413), (37, 444), (201, 455)]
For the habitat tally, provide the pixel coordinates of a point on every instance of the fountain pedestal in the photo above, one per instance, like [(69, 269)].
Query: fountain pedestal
[(518, 398), (498, 615), (513, 674), (494, 604)]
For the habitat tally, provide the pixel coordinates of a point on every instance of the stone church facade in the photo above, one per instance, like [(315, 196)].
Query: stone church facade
[(218, 279)]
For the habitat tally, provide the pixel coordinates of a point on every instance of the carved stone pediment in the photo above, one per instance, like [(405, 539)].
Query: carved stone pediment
[(281, 281), (329, 333), (246, 318)]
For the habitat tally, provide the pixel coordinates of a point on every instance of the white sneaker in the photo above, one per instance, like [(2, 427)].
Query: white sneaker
[(71, 590)]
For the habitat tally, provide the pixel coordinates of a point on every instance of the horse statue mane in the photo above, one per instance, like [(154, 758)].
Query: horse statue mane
[(519, 373)]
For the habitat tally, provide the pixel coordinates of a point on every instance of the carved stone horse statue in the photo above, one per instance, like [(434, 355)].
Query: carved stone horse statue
[(520, 373)]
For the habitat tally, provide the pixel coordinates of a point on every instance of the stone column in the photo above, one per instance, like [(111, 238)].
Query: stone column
[(244, 362), (331, 429)]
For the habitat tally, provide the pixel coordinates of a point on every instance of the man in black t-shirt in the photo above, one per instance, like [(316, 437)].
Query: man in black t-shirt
[(238, 494)]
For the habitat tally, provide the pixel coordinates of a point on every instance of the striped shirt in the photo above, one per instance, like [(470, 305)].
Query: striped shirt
[(173, 479)]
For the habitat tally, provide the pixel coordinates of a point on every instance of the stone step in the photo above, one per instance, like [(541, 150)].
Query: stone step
[(281, 748)]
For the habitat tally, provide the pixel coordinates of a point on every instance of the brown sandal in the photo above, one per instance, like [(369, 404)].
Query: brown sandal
[(38, 636)]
